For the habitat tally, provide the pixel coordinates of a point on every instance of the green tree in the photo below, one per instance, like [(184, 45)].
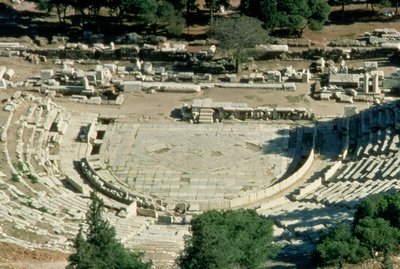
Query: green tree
[(61, 7), (375, 230), (338, 246), (380, 206), (100, 249), (170, 18), (294, 15), (239, 35), (229, 239), (377, 235), (213, 6)]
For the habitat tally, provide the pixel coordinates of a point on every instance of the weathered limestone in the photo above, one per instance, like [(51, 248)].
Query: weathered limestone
[(3, 70), (9, 74), (171, 86), (288, 86), (132, 86), (366, 83), (3, 84), (147, 212), (305, 77), (147, 68), (46, 74), (375, 84)]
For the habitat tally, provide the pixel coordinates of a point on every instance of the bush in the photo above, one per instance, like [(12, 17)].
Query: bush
[(34, 179), (229, 239)]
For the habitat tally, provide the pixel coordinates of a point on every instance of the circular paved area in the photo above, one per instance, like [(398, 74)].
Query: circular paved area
[(197, 162)]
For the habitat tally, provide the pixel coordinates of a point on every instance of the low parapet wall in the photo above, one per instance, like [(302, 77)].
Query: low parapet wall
[(102, 183)]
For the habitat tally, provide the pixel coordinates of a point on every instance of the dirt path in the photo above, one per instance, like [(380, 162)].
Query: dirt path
[(16, 257)]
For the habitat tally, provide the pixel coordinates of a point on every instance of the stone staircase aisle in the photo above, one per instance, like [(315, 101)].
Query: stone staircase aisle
[(206, 115)]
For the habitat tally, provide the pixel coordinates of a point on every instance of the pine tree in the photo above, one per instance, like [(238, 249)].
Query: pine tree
[(101, 249)]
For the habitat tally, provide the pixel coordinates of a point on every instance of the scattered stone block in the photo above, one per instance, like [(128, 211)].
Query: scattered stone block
[(3, 70), (166, 219), (147, 212), (3, 84), (132, 86), (305, 77), (131, 210), (46, 74), (119, 100), (344, 98), (95, 100), (9, 74), (78, 98), (53, 82), (186, 76), (111, 67), (147, 68), (231, 78)]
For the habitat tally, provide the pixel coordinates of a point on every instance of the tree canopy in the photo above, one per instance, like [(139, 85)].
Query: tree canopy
[(375, 229), (239, 34), (294, 15), (167, 13), (339, 246), (98, 248), (229, 239)]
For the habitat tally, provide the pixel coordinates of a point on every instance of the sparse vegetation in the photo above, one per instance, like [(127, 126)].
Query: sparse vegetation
[(34, 179), (15, 178), (301, 98), (253, 97), (43, 209), (20, 166)]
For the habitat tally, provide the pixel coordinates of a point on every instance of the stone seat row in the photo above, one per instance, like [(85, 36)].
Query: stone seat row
[(371, 168), (382, 142), (374, 131), (127, 228), (24, 218), (54, 118), (350, 193), (378, 117), (304, 223)]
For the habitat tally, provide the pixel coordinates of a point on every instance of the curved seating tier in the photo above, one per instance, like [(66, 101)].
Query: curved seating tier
[(46, 209)]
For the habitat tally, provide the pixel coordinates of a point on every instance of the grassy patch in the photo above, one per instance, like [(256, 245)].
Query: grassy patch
[(296, 99), (253, 97), (20, 166), (15, 178)]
